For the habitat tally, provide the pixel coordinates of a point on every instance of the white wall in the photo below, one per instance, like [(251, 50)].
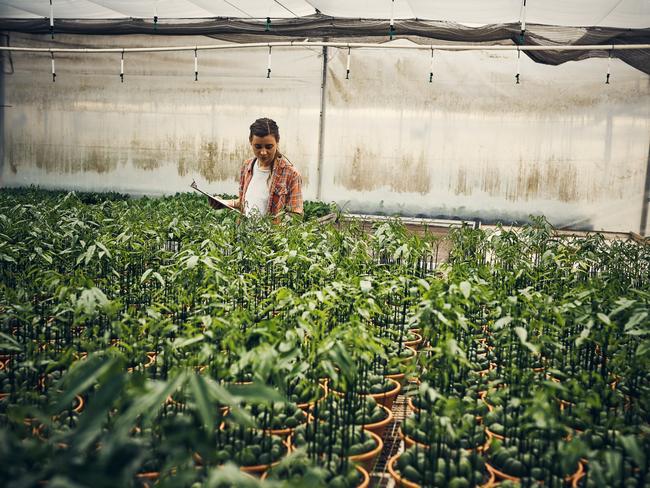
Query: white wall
[(470, 144), (473, 143), (159, 129)]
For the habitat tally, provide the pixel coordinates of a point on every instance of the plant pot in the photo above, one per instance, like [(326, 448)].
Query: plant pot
[(500, 475), (411, 405), (408, 440), (364, 483), (151, 359), (256, 470), (387, 398), (367, 459), (491, 434), (575, 478), (399, 377), (366, 478), (415, 343), (286, 433), (379, 427), (79, 404), (399, 481), (306, 407), (148, 479)]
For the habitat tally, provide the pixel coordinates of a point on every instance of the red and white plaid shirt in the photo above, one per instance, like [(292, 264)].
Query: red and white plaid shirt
[(285, 192)]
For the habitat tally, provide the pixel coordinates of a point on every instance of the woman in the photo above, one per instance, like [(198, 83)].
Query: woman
[(268, 183)]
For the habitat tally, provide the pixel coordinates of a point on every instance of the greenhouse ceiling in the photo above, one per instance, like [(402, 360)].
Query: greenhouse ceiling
[(601, 13), (622, 27)]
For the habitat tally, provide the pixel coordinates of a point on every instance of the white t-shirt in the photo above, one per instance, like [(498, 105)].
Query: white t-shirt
[(257, 194)]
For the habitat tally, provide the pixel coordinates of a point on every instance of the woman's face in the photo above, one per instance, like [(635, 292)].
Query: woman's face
[(264, 148)]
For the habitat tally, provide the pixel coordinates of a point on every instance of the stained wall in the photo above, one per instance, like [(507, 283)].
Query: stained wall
[(159, 129), (471, 144)]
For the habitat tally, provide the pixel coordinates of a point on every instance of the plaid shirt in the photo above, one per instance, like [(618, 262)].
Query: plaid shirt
[(285, 191)]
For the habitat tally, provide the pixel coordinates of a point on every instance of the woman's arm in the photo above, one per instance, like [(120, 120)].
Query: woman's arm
[(294, 203)]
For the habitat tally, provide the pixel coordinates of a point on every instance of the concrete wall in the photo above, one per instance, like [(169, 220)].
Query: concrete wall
[(470, 144)]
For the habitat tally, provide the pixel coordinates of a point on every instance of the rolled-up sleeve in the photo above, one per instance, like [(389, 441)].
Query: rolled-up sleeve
[(294, 198)]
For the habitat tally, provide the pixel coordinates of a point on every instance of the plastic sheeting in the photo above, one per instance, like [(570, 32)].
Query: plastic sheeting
[(604, 13), (471, 144)]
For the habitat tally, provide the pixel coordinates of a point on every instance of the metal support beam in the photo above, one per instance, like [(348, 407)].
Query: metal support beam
[(2, 111), (646, 197), (321, 126), (342, 45)]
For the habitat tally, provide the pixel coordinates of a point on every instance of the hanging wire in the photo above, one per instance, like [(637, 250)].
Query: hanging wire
[(237, 8), (522, 21), (609, 64), (51, 19), (431, 68), (391, 30), (268, 70), (518, 65), (196, 64), (53, 68), (347, 70), (286, 8), (122, 67)]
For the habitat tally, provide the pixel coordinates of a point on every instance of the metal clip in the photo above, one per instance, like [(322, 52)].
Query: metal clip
[(347, 70), (196, 64)]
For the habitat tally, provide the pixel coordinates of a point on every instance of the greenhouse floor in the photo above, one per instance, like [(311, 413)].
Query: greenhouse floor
[(380, 477)]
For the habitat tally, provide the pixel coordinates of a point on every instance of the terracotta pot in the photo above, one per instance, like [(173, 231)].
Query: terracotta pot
[(80, 404), (500, 475), (151, 359), (399, 481), (364, 483), (366, 478), (491, 434), (367, 459), (379, 427), (286, 433), (257, 470), (262, 468), (322, 387), (387, 398), (415, 343), (399, 377), (575, 478), (411, 405), (483, 395), (410, 442), (148, 478)]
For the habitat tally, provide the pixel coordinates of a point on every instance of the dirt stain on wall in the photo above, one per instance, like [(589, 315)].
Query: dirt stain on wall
[(549, 180), (369, 170), (214, 161), (59, 158)]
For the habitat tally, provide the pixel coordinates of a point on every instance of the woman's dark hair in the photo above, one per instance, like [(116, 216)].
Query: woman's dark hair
[(264, 127)]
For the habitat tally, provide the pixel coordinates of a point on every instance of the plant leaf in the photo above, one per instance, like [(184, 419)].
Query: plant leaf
[(206, 410), (465, 288)]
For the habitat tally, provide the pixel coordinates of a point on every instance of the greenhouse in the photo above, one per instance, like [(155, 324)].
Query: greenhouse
[(309, 243)]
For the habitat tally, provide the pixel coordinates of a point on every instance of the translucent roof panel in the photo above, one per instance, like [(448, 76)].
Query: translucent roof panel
[(604, 13), (369, 9), (164, 9)]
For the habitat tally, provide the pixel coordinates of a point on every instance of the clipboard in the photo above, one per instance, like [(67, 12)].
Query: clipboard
[(217, 202)]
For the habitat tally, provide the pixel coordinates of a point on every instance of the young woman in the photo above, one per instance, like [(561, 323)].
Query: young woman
[(268, 183)]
